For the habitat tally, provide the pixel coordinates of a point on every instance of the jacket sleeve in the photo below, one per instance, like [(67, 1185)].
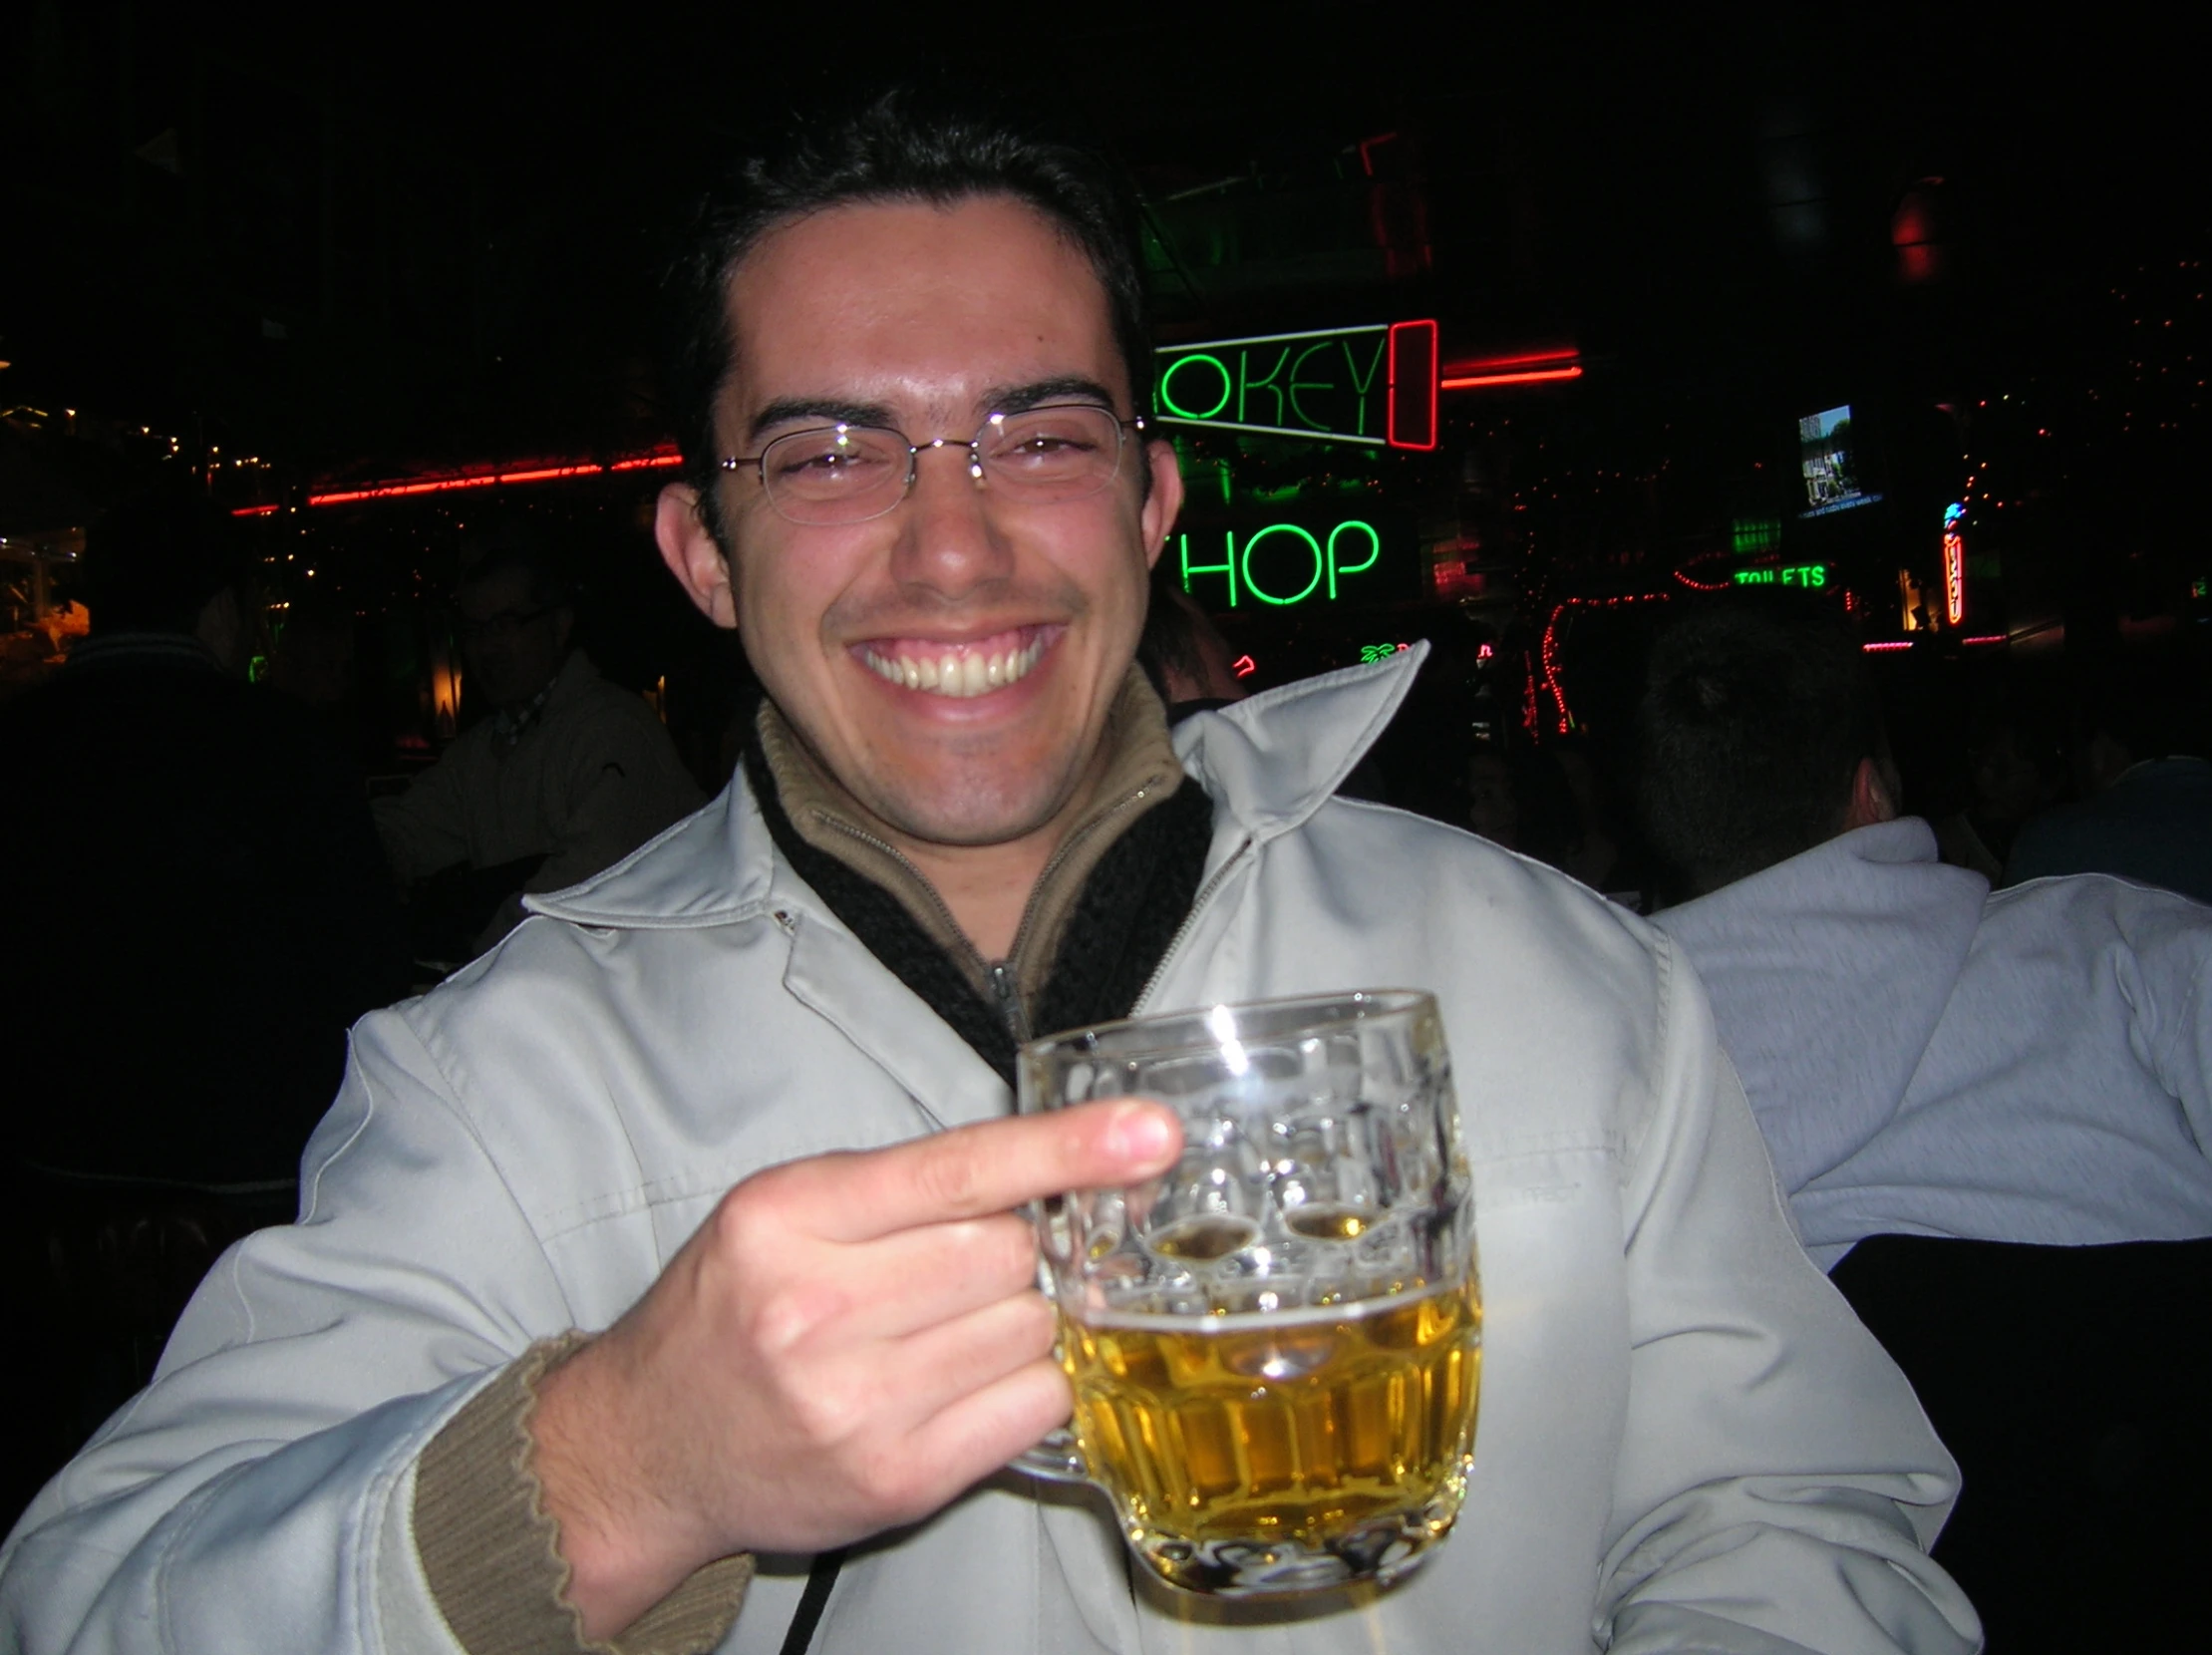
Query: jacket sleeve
[(257, 1495), (425, 828), (1776, 1483), (2166, 981)]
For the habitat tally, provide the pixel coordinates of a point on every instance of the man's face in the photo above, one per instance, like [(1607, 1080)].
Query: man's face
[(928, 319), (514, 642)]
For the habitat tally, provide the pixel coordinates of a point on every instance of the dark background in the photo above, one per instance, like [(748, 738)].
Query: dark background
[(311, 246)]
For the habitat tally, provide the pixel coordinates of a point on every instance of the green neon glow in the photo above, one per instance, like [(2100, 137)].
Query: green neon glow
[(1229, 385), (1298, 383), (1359, 385), (1374, 550), (1246, 384), (1796, 574), (1276, 431), (1278, 396), (1190, 568), (1754, 535), (1245, 564)]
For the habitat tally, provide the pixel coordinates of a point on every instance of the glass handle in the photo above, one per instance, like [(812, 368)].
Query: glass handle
[(1058, 1459)]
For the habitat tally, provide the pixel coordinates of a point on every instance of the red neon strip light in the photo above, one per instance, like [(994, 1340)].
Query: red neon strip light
[(1476, 381), (660, 459), (1991, 638), (1413, 350), (1702, 586), (1548, 650), (1527, 359), (1881, 648)]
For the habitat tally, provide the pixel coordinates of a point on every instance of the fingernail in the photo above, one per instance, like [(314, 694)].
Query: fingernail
[(1141, 1132)]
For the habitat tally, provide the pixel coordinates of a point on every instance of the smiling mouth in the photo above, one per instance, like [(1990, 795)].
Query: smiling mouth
[(962, 670)]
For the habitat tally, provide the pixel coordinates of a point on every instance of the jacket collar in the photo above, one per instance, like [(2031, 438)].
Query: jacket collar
[(1267, 763)]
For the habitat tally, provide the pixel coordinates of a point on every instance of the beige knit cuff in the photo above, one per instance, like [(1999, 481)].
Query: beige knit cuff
[(492, 1552)]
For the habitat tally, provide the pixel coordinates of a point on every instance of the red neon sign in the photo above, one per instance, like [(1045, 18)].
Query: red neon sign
[(1414, 385), (1954, 577), (1514, 368), (407, 487)]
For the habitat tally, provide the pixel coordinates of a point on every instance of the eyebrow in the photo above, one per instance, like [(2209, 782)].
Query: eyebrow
[(1001, 399)]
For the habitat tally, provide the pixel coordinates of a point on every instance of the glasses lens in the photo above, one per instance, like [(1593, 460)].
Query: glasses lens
[(1051, 454), (838, 473)]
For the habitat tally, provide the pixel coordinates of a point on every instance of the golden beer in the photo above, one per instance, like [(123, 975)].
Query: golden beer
[(1302, 1448)]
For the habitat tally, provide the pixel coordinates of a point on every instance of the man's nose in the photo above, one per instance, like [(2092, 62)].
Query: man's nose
[(948, 539)]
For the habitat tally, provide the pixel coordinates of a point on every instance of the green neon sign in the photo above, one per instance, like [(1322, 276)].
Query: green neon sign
[(1331, 385), (1794, 574), (1281, 564)]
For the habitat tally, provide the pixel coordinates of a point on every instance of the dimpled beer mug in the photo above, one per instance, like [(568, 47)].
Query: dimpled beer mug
[(1276, 1345)]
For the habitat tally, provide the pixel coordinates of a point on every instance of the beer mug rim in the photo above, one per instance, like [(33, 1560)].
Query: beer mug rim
[(1160, 1034)]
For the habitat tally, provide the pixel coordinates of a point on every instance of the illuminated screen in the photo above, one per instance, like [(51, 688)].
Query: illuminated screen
[(1828, 457)]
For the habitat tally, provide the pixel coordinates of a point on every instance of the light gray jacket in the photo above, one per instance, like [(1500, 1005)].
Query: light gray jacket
[(1928, 1057), (1686, 1440)]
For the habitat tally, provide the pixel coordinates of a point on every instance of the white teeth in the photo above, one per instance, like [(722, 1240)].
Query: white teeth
[(956, 675)]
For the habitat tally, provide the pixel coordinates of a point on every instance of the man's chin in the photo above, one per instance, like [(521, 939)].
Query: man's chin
[(956, 816)]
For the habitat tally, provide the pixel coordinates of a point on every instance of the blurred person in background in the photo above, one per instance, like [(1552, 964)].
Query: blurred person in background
[(197, 914), (2145, 807), (1190, 662), (2013, 770), (566, 776), (1997, 1103)]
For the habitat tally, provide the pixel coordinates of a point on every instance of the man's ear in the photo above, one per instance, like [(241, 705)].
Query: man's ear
[(692, 556), (1872, 799), (1165, 504)]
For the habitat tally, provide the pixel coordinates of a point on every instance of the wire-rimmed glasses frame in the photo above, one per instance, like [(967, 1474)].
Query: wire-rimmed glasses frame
[(849, 473)]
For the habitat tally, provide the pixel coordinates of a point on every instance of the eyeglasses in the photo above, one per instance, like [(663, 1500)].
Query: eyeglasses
[(848, 474), (508, 623)]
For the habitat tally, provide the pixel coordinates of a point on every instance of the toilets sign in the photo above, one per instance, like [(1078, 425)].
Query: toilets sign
[(1375, 386)]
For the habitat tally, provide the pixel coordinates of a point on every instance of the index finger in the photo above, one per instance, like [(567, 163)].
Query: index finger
[(986, 1167)]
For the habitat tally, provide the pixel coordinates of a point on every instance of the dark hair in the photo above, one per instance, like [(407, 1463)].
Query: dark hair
[(515, 545), (1753, 721), (1169, 641), (153, 563), (898, 148)]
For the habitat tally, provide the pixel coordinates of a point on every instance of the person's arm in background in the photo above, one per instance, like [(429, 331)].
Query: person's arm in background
[(2166, 980), (426, 828), (1778, 1484)]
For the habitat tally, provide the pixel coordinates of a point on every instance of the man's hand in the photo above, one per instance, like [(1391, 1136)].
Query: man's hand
[(847, 1343)]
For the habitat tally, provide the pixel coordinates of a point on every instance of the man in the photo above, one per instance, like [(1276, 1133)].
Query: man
[(1189, 663), (1995, 1104), (2145, 810), (961, 818), (1923, 1056), (567, 775)]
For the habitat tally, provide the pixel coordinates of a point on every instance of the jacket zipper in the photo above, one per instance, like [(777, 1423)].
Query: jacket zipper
[(1190, 919), (1010, 1003), (1002, 982)]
